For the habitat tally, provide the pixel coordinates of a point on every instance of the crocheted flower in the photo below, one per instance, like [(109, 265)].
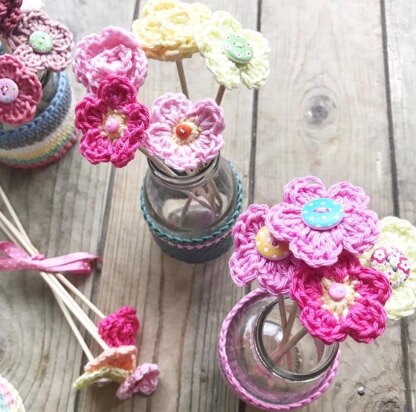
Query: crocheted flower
[(142, 381), (341, 300), (104, 374), (233, 54), (257, 255), (41, 43), (122, 357), (166, 28), (9, 14), (183, 134), (20, 91), (120, 328), (320, 223), (112, 52), (395, 256), (112, 122)]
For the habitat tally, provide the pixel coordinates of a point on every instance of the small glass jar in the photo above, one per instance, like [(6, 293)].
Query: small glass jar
[(191, 216), (255, 364)]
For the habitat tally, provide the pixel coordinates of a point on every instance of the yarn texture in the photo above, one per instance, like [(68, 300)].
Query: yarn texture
[(356, 232), (122, 357), (185, 135), (120, 328), (10, 400), (9, 14), (113, 123), (89, 378)]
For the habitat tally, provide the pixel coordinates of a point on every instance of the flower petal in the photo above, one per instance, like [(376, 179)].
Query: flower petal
[(349, 196), (170, 108), (303, 189), (284, 222), (95, 147), (116, 91)]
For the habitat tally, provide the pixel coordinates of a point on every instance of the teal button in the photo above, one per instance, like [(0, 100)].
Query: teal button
[(322, 214), (237, 48)]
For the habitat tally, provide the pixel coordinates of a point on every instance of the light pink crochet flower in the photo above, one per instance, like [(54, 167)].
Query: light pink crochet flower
[(320, 223), (112, 52), (113, 123), (20, 91), (257, 255), (341, 300), (120, 328), (182, 134), (122, 357), (9, 14), (41, 43), (143, 381)]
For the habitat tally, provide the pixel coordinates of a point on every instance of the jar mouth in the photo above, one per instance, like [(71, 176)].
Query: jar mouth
[(281, 372)]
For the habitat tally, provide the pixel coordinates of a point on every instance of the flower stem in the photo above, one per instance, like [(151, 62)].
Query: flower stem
[(182, 78), (277, 355), (220, 94)]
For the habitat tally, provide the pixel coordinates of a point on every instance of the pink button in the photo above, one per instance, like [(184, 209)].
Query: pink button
[(112, 125), (8, 91), (337, 291)]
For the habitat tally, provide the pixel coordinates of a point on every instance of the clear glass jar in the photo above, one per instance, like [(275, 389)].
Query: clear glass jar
[(249, 345)]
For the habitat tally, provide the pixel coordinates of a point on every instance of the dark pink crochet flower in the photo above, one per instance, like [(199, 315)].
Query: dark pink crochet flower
[(9, 14), (143, 381), (341, 300), (41, 43), (113, 123), (257, 255), (320, 223), (120, 328), (20, 91)]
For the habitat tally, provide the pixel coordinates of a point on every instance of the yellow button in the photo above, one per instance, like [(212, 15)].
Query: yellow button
[(269, 247)]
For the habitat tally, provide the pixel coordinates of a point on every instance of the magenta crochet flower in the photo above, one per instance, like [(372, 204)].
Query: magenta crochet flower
[(113, 123), (120, 328), (341, 300), (112, 52), (320, 223), (41, 43), (143, 381), (20, 91), (257, 255), (9, 14), (182, 134)]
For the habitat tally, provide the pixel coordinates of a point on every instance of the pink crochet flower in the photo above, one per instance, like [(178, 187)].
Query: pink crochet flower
[(182, 134), (112, 52), (258, 255), (41, 43), (122, 357), (341, 300), (9, 14), (120, 328), (113, 123), (20, 91), (142, 381), (320, 223)]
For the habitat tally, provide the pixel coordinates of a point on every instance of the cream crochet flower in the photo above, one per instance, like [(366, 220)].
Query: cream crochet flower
[(399, 235), (233, 53), (166, 28)]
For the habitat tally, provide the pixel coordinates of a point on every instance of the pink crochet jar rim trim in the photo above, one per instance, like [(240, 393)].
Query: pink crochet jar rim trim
[(241, 392)]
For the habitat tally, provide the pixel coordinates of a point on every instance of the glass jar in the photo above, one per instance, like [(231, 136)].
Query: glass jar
[(255, 364), (191, 216)]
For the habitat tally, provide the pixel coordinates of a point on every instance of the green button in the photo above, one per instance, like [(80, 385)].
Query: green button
[(238, 49), (41, 42)]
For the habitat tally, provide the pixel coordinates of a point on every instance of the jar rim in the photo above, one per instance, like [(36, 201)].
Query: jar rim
[(272, 367)]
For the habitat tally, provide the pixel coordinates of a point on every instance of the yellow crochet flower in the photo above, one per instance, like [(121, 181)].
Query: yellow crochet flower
[(166, 28), (399, 236), (233, 53), (104, 375)]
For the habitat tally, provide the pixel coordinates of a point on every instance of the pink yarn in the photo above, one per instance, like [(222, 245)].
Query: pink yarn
[(143, 381), (23, 109), (247, 264), (358, 230), (120, 328), (9, 14), (113, 123), (364, 318), (205, 120), (112, 52), (58, 58), (122, 357)]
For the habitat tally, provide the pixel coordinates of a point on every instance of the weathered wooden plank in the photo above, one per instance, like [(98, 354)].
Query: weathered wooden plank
[(182, 306), (324, 113), (62, 206)]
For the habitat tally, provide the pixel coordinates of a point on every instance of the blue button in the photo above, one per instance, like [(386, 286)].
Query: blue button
[(322, 214)]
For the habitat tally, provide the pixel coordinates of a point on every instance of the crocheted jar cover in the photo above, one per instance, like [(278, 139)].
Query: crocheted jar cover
[(241, 391), (201, 249), (10, 400), (47, 138)]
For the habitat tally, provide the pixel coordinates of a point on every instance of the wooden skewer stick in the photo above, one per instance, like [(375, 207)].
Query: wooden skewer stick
[(220, 94), (276, 356), (182, 78)]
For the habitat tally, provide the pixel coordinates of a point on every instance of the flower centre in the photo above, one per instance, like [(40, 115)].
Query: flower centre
[(41, 42), (269, 247), (113, 125), (237, 48), (337, 291), (185, 132), (322, 214), (8, 90)]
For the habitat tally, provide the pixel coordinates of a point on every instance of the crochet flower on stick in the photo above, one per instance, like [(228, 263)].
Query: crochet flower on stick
[(182, 134), (9, 14), (113, 123), (143, 381)]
